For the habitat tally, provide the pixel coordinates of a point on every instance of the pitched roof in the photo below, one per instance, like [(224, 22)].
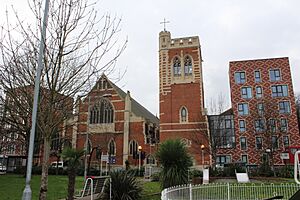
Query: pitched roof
[(136, 107)]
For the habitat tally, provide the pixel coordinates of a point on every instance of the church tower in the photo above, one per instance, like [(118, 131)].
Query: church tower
[(181, 95)]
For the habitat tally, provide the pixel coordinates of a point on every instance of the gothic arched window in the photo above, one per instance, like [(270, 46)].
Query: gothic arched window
[(183, 114), (176, 66), (188, 66), (150, 160), (111, 147), (102, 112), (133, 147)]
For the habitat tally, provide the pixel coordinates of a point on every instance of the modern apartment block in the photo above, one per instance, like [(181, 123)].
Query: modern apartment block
[(264, 111)]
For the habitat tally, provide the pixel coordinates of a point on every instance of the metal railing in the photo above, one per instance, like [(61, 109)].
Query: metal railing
[(226, 191), (297, 167)]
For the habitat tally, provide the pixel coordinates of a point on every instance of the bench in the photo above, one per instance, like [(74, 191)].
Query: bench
[(93, 187)]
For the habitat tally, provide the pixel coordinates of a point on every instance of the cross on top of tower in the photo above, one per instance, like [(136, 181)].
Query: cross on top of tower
[(165, 22)]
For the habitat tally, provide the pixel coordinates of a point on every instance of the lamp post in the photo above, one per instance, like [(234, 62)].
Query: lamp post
[(202, 156), (140, 158), (27, 192)]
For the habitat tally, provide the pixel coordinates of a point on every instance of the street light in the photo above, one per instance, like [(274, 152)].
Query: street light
[(202, 152), (140, 158), (27, 193)]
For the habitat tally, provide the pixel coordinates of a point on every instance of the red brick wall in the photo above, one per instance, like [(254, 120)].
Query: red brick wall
[(263, 65), (190, 95)]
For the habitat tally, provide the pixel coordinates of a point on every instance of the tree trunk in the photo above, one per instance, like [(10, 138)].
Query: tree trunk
[(44, 178), (71, 184)]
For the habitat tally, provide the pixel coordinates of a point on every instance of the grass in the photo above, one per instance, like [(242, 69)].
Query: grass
[(151, 191), (12, 186)]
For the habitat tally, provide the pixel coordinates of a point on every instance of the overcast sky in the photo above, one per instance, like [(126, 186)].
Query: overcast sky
[(228, 30)]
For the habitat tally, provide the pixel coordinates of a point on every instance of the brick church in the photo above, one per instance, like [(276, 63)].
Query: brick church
[(181, 95), (112, 121)]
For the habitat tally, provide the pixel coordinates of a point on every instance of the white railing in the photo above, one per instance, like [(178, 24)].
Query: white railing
[(296, 167), (226, 191)]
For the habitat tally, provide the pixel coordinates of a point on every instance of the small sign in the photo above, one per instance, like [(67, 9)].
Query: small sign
[(104, 158), (112, 160), (284, 156)]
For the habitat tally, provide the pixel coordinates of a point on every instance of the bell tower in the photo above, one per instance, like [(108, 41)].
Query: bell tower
[(181, 97)]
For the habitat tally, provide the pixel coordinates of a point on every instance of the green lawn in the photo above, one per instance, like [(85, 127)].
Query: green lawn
[(12, 186), (151, 191)]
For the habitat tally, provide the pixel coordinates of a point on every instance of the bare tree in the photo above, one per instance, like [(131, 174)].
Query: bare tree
[(79, 47), (270, 125), (218, 135)]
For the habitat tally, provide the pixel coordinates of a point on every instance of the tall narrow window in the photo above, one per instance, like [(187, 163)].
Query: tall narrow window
[(243, 143), (176, 67), (283, 125), (286, 141), (272, 125), (183, 114), (258, 141), (244, 158), (102, 112), (257, 76), (259, 92), (133, 147), (274, 142), (112, 147), (242, 125), (188, 67), (260, 108)]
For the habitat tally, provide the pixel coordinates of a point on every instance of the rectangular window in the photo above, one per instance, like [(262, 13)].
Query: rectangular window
[(284, 107), (244, 159), (243, 109), (258, 92), (228, 123), (259, 125), (258, 141), (260, 108), (275, 75), (283, 125), (243, 142), (242, 125), (240, 77), (272, 125), (274, 142), (286, 141), (246, 92), (279, 91), (257, 76), (221, 160)]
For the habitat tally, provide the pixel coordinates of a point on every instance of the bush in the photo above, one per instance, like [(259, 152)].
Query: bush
[(286, 171), (124, 186), (175, 160), (196, 173), (137, 172)]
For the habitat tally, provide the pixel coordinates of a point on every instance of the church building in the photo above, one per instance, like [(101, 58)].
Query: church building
[(181, 95), (113, 122)]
